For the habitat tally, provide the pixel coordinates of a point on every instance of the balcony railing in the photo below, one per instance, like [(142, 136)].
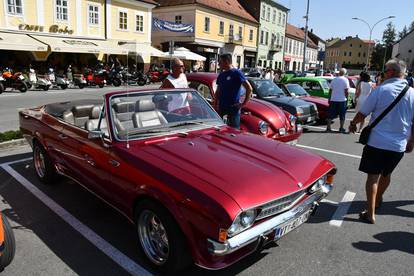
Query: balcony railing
[(234, 39), (275, 47)]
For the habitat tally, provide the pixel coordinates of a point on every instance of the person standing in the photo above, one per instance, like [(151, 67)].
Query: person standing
[(229, 84), (390, 138), (338, 98), (410, 79), (363, 90)]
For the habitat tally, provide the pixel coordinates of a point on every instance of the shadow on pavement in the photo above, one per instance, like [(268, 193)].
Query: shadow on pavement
[(396, 240)]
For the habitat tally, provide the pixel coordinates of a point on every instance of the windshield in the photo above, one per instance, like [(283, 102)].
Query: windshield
[(266, 88), (141, 114), (297, 90), (324, 84)]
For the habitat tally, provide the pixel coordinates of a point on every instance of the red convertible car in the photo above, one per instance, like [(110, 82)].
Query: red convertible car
[(196, 190), (257, 116)]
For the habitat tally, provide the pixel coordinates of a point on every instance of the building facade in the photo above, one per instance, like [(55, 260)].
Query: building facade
[(294, 48), (404, 49), (271, 34), (51, 28), (219, 27), (350, 53), (321, 49)]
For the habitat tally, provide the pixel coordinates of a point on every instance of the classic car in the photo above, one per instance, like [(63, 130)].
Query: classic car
[(295, 90), (196, 190), (257, 116), (7, 242), (305, 112)]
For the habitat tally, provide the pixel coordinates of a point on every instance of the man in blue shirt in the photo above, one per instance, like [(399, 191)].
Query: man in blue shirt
[(229, 83), (388, 140)]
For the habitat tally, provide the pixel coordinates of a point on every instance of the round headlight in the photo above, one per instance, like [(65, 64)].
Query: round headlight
[(243, 221), (263, 127), (292, 120), (247, 218), (318, 184)]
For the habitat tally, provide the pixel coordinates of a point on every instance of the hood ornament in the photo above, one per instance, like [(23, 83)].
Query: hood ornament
[(300, 185)]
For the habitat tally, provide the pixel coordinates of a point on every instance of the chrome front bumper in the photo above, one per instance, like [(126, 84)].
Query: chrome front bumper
[(262, 229)]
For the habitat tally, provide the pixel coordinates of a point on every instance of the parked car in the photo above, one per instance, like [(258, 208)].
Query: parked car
[(257, 116), (196, 190), (295, 90), (306, 113), (7, 243)]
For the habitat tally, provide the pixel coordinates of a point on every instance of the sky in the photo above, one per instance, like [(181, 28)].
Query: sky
[(332, 18)]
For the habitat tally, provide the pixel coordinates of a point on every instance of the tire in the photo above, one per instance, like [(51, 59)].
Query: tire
[(1, 88), (177, 257), (9, 244), (45, 88), (64, 86), (23, 88), (45, 170), (116, 82), (81, 86), (101, 85)]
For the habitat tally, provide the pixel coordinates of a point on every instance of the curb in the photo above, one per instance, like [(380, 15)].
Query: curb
[(13, 143)]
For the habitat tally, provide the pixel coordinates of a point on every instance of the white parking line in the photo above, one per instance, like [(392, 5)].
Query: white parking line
[(329, 201), (329, 151), (121, 259), (324, 128), (342, 209)]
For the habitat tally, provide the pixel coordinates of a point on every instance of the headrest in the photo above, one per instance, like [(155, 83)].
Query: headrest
[(124, 107), (144, 105), (82, 110), (95, 112)]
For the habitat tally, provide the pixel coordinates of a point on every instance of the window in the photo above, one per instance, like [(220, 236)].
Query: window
[(283, 19), (203, 89), (350, 45), (240, 32), (344, 54), (274, 16), (62, 10), (231, 30), (263, 11), (278, 39), (207, 24), (290, 46), (251, 34), (178, 19), (267, 38), (268, 14), (364, 55), (93, 14), (279, 19), (15, 7), (123, 20), (281, 39), (139, 23), (221, 29), (350, 54), (261, 37), (359, 54)]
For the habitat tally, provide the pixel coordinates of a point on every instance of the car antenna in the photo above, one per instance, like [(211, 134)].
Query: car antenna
[(128, 105)]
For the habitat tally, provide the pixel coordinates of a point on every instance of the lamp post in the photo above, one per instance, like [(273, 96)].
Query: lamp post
[(306, 38), (371, 28)]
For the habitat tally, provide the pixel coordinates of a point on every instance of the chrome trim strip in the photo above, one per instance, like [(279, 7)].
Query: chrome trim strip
[(252, 234)]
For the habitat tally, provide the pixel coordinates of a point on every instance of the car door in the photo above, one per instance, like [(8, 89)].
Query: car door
[(86, 159)]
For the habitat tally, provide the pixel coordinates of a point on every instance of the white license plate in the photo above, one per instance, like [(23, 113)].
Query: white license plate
[(291, 225), (310, 119)]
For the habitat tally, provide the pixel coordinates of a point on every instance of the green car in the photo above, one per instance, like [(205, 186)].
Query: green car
[(315, 86)]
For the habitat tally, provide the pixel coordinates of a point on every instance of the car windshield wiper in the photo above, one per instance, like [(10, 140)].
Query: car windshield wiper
[(188, 123)]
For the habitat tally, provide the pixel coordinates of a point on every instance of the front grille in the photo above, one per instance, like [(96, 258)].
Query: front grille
[(279, 205), (306, 109)]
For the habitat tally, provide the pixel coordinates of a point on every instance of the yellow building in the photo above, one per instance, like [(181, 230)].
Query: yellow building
[(45, 28), (350, 53), (219, 27)]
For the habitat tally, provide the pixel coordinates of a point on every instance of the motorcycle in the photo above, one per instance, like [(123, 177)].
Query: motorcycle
[(97, 78), (135, 77), (57, 81), (157, 75), (14, 81), (79, 81), (114, 77), (37, 82)]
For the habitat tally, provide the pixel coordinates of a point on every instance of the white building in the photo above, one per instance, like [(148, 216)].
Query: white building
[(404, 49)]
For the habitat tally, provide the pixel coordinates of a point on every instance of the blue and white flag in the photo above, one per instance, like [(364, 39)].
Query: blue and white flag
[(172, 26)]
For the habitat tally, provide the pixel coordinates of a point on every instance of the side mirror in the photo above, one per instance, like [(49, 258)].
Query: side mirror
[(292, 94), (95, 134)]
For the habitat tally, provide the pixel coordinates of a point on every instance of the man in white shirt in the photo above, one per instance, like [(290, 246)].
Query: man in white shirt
[(338, 97)]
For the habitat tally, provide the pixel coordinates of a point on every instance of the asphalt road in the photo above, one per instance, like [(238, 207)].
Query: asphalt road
[(13, 101), (50, 221)]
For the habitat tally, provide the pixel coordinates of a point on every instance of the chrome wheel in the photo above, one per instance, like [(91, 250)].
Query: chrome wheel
[(153, 237), (39, 162)]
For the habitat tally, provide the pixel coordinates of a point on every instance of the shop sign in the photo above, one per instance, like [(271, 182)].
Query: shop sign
[(286, 58), (164, 25), (79, 42), (39, 28)]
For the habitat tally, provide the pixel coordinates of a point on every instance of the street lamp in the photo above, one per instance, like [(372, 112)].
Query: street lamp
[(370, 33), (306, 38)]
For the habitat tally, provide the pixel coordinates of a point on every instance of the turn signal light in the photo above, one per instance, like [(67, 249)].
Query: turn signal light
[(329, 179), (222, 235)]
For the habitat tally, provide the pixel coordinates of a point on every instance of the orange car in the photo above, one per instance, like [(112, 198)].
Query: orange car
[(7, 243)]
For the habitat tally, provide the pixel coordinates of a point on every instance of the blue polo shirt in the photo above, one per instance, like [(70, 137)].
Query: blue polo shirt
[(393, 131), (230, 83)]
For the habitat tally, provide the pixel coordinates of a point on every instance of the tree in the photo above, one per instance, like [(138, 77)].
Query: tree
[(411, 27), (388, 38), (403, 33), (377, 56)]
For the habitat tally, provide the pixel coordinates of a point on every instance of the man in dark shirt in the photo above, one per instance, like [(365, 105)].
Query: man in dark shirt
[(229, 83)]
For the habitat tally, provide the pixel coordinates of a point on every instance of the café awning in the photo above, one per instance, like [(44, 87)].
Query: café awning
[(20, 42), (77, 45), (141, 49), (184, 53)]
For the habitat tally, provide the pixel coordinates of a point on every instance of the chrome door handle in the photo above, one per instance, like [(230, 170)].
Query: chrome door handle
[(89, 160), (62, 136), (114, 163)]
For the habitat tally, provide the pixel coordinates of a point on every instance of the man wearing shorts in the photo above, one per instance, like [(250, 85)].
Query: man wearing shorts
[(338, 97), (388, 140)]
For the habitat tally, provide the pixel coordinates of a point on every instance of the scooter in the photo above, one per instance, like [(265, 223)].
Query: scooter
[(135, 77), (38, 83), (57, 81), (14, 81), (114, 77), (157, 75), (75, 79), (96, 79)]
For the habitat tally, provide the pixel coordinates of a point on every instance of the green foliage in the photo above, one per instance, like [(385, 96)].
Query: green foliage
[(390, 34), (403, 33), (377, 56), (10, 135)]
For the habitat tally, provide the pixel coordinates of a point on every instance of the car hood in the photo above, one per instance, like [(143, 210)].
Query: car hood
[(289, 101), (268, 112), (316, 100), (248, 168)]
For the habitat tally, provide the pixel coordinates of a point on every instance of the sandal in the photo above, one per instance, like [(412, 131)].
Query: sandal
[(364, 217)]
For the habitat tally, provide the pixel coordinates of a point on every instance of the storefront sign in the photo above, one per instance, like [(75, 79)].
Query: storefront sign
[(286, 58), (206, 50), (172, 26), (79, 42), (41, 29)]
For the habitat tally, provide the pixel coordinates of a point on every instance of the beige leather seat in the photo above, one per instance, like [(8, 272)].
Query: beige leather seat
[(146, 115)]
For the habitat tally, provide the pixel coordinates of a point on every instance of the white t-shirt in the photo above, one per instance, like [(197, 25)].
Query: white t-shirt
[(178, 100), (338, 86), (180, 82)]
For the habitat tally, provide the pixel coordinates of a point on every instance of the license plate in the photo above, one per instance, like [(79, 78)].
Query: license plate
[(310, 119), (291, 225)]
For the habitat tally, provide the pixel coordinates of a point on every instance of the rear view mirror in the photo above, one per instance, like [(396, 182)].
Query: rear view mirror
[(95, 134)]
